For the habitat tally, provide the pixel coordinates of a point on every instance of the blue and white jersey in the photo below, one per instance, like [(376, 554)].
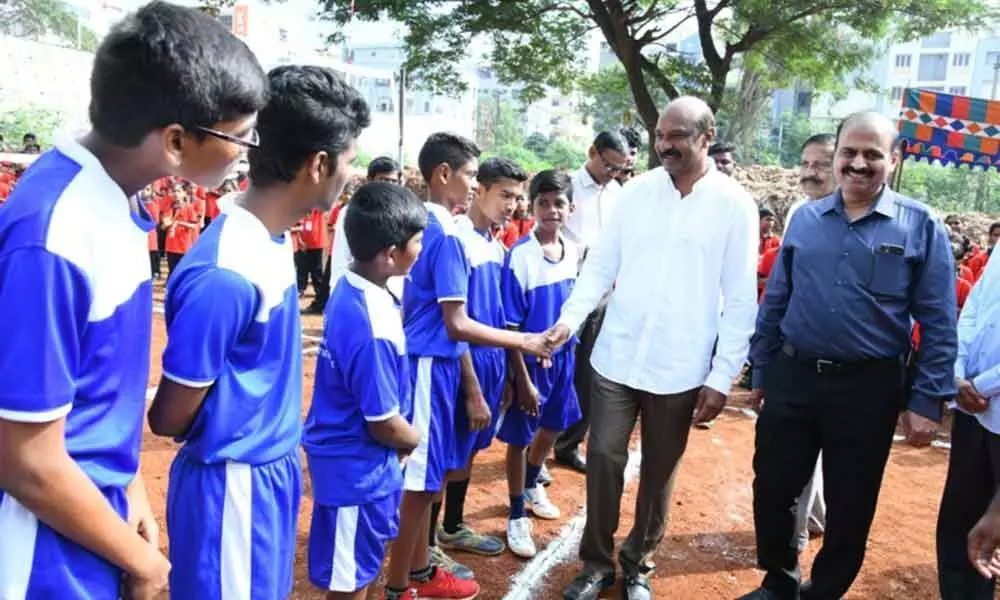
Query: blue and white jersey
[(76, 318), (486, 258), (441, 274), (362, 376), (535, 288), (233, 325)]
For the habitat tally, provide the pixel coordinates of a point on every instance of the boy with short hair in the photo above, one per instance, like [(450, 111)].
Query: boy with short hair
[(356, 431), (538, 277), (385, 169), (232, 370), (438, 331), (501, 183), (75, 295)]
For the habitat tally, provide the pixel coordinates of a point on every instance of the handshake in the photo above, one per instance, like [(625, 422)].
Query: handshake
[(545, 343)]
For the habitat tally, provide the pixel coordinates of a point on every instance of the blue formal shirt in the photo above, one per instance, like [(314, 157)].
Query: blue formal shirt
[(851, 291), (979, 343)]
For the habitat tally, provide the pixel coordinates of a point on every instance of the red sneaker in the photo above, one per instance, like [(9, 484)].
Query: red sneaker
[(410, 594), (445, 586)]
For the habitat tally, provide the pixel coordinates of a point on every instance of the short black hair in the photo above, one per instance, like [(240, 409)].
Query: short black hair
[(166, 64), (721, 148), (496, 169), (611, 140), (952, 217), (443, 147), (551, 180), (382, 215), (994, 226), (820, 139), (632, 138), (765, 212), (28, 136), (382, 164), (312, 109)]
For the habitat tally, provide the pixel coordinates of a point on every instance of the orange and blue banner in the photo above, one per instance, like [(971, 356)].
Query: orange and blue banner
[(949, 129)]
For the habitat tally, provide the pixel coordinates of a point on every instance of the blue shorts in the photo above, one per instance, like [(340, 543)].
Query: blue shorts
[(347, 543), (491, 369), (232, 528), (435, 391), (558, 408), (37, 563)]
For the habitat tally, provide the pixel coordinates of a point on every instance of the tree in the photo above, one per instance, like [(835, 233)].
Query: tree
[(498, 123), (563, 155), (537, 143), (35, 19), (540, 43), (30, 119), (527, 159)]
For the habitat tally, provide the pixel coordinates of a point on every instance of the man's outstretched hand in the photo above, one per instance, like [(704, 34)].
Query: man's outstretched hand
[(557, 335)]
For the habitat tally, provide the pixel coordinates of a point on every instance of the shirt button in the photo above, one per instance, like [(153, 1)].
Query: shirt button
[(844, 253), (833, 310)]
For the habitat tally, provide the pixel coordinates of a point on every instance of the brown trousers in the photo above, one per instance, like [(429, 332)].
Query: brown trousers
[(665, 423)]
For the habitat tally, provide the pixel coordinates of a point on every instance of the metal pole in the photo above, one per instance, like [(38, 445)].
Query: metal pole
[(402, 113), (996, 77)]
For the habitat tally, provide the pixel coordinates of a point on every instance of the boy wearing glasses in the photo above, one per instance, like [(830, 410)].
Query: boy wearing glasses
[(76, 291), (232, 369)]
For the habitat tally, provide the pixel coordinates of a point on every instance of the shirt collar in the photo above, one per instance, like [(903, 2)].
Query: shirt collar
[(362, 284), (885, 204), (586, 179)]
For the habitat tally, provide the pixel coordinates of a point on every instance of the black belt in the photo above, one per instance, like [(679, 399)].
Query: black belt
[(836, 367)]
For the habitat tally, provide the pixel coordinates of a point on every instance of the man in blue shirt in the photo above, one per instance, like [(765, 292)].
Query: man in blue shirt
[(833, 333), (232, 370), (974, 460), (75, 298)]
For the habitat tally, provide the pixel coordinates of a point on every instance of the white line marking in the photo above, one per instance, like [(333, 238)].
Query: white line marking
[(526, 583), (311, 338)]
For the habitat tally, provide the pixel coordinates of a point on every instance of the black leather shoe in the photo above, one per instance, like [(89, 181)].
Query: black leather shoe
[(637, 587), (588, 585), (572, 461)]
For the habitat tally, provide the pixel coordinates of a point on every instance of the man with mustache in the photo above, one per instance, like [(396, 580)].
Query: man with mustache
[(856, 268), (683, 239)]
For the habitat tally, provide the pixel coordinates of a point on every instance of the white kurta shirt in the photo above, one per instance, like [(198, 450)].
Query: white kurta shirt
[(670, 258)]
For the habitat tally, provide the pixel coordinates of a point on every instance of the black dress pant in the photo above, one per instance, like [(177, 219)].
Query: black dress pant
[(850, 415), (172, 259), (973, 477), (309, 266)]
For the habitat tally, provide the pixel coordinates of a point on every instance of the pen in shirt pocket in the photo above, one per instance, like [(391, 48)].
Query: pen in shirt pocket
[(891, 249)]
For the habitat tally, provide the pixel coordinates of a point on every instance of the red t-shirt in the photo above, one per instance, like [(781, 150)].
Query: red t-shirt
[(179, 240), (314, 234), (965, 273), (977, 262), (515, 230), (962, 289), (767, 243), (764, 267), (212, 205)]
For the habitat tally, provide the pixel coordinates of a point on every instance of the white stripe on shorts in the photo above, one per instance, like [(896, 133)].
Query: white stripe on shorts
[(415, 479), (344, 577), (237, 532), (19, 528)]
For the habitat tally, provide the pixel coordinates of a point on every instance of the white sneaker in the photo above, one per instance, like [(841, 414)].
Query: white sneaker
[(519, 537), (537, 501)]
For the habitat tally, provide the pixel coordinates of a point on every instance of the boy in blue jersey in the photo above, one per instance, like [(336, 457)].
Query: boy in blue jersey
[(438, 331), (232, 370), (75, 298), (357, 431), (501, 184), (538, 277)]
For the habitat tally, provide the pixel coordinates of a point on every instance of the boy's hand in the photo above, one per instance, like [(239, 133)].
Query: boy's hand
[(148, 584), (478, 411), (140, 515), (508, 397), (537, 344), (969, 397), (528, 399), (983, 543), (557, 335)]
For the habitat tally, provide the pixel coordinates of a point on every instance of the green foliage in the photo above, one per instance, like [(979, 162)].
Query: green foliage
[(528, 160), (34, 19), (607, 98), (498, 123), (563, 155), (361, 159), (537, 143), (951, 189), (42, 122)]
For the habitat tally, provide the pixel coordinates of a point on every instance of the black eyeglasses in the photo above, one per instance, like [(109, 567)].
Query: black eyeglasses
[(610, 167), (250, 140)]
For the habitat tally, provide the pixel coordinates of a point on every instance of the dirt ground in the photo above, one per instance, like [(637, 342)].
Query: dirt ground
[(709, 549)]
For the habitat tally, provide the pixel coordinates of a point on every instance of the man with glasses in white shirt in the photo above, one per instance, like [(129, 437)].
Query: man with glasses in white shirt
[(683, 235), (595, 195)]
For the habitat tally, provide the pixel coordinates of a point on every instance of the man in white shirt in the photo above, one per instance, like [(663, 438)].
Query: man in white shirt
[(684, 235), (595, 195), (974, 462)]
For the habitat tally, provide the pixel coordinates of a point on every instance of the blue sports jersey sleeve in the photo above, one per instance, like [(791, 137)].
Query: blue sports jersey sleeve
[(451, 271), (44, 305), (206, 312), (374, 380), (515, 304)]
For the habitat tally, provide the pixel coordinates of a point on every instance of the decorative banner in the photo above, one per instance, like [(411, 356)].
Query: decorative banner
[(952, 130), (241, 20)]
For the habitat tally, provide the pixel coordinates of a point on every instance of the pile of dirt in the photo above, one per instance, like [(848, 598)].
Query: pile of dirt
[(773, 187)]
